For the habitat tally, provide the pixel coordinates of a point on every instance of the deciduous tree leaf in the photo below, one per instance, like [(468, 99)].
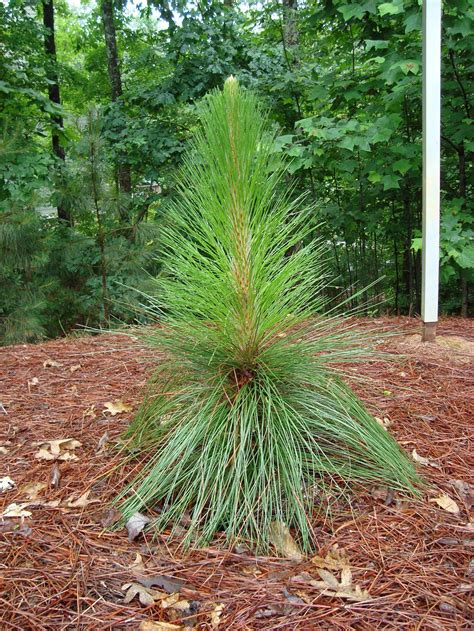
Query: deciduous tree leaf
[(145, 595), (165, 582), (155, 625), (284, 543), (136, 524), (447, 503), (335, 559), (117, 407), (16, 510), (33, 489), (6, 484), (50, 363), (424, 461), (216, 615), (80, 502), (57, 449), (330, 586)]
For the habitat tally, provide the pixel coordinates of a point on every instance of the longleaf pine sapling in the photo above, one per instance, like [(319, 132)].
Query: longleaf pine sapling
[(247, 420)]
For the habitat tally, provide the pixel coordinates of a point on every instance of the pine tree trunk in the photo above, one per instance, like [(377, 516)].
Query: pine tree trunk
[(107, 8), (54, 95)]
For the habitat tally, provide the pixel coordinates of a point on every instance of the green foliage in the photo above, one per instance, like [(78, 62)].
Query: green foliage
[(345, 98), (248, 420)]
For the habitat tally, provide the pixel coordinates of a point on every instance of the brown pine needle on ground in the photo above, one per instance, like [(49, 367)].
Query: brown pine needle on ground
[(62, 569)]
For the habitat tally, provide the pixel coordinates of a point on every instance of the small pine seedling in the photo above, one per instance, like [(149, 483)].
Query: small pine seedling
[(247, 420)]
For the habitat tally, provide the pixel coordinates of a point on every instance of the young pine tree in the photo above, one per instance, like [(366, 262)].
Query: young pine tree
[(247, 419)]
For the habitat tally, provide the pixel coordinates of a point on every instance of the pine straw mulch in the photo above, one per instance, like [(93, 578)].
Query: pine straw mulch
[(61, 569)]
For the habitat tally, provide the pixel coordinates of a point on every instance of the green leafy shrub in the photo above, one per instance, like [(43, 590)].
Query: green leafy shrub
[(247, 421)]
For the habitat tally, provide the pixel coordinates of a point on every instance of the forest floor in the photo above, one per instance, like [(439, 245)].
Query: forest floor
[(61, 567)]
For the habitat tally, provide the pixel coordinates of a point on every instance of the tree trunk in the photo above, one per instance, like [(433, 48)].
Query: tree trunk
[(113, 65), (54, 96), (291, 40), (291, 36)]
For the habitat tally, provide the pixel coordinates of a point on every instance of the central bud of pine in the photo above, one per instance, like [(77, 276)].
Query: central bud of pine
[(241, 376)]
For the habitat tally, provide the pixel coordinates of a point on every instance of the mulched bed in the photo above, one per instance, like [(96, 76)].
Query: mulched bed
[(62, 569)]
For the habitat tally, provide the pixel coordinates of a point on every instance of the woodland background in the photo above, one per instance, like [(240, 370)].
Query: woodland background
[(99, 99)]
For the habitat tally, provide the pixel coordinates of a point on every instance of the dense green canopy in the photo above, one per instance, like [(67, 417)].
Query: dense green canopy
[(98, 101)]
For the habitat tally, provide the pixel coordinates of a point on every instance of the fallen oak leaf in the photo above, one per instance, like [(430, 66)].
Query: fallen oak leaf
[(156, 625), (330, 586), (90, 412), (58, 449), (174, 602), (33, 489), (137, 566), (329, 579), (117, 407), (44, 454), (216, 615), (135, 525), (80, 502), (145, 595), (64, 443), (283, 542), (424, 461), (67, 456), (16, 510), (6, 484), (167, 583), (50, 363), (447, 503), (335, 559)]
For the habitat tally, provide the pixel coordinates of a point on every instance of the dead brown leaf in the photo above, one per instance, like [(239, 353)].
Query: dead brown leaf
[(6, 484), (424, 461), (33, 489), (135, 525), (343, 588), (174, 602), (50, 363), (117, 407), (80, 502), (137, 567), (146, 596), (446, 503), (90, 412), (335, 559), (16, 510), (57, 449), (156, 625), (284, 543), (216, 615)]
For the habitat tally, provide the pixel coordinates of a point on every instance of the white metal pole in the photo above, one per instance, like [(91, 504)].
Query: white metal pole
[(431, 165)]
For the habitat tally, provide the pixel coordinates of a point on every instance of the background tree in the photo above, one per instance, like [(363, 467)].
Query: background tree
[(342, 83), (57, 127), (113, 64)]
